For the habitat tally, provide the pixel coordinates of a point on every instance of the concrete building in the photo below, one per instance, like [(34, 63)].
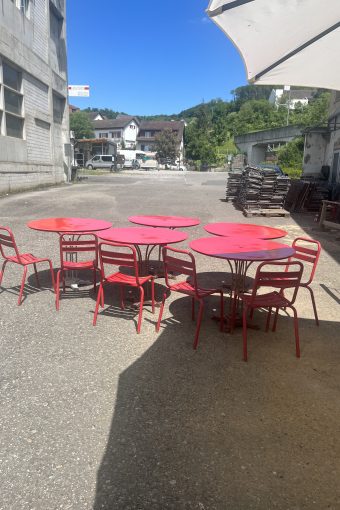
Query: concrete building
[(322, 145), (34, 127)]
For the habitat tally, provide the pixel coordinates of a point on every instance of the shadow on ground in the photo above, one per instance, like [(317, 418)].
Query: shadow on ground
[(202, 430)]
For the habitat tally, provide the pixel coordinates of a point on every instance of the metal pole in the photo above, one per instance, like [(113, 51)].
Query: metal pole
[(288, 107)]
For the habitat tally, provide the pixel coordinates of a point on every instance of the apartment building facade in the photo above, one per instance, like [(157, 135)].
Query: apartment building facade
[(34, 123)]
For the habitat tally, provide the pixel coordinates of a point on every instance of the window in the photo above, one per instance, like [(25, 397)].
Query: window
[(107, 159), (148, 134), (103, 135), (14, 126), (58, 108), (24, 6), (12, 100), (116, 134)]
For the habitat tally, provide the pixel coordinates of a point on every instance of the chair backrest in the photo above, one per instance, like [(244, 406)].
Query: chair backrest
[(309, 254), (7, 243), (71, 243), (179, 261), (288, 277), (116, 254)]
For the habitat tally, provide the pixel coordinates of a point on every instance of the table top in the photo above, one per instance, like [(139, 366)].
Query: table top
[(165, 221), (244, 229), (242, 248), (143, 235), (69, 224)]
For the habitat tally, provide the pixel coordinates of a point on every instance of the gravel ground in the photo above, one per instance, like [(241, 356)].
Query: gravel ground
[(103, 418)]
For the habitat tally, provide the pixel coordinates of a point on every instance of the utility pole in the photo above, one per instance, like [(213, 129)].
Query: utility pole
[(288, 107), (286, 88)]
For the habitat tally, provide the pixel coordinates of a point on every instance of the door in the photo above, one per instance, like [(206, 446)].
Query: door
[(335, 165)]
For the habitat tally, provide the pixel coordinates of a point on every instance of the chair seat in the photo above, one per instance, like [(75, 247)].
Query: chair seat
[(127, 279), (25, 259), (89, 264), (185, 287), (271, 299)]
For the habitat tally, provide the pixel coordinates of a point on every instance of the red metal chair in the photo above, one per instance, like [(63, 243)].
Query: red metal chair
[(122, 255), (310, 255), (7, 242), (186, 265), (73, 246), (288, 278)]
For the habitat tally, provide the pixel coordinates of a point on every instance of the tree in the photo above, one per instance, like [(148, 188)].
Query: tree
[(166, 145), (291, 155), (81, 125)]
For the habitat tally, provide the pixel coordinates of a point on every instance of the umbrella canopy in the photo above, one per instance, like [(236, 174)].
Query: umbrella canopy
[(296, 42)]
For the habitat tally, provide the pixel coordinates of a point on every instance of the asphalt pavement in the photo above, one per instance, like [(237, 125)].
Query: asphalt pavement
[(103, 418)]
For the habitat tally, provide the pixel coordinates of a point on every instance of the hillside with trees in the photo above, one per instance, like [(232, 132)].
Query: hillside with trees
[(211, 126)]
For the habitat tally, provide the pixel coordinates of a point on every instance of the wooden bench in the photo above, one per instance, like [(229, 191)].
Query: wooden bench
[(326, 223)]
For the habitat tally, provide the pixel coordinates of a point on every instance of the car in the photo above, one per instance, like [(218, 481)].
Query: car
[(270, 166), (105, 161), (132, 163), (101, 161)]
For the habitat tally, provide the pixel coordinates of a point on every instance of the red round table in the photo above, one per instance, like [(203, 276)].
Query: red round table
[(244, 229), (240, 252), (72, 226), (165, 221), (139, 236), (75, 225)]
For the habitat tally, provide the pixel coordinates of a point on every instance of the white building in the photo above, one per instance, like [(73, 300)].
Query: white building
[(123, 130), (34, 132), (290, 97)]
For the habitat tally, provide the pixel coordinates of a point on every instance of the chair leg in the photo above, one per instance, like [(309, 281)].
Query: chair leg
[(233, 312), (193, 309), (221, 311), (275, 319), (36, 275), (244, 324), (3, 270), (52, 275), (102, 295), (314, 305), (57, 290), (268, 318), (63, 278), (198, 327), (22, 285), (100, 299), (296, 330), (121, 290), (141, 290), (94, 278), (153, 295), (160, 312)]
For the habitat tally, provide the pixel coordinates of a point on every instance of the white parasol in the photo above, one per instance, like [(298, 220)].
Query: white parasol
[(284, 41)]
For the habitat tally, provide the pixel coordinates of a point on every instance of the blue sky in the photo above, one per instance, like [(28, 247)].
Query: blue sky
[(147, 57)]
